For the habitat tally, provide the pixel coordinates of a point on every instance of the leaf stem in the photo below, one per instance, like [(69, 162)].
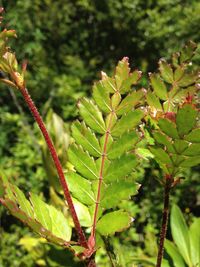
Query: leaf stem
[(165, 215), (52, 150), (101, 177)]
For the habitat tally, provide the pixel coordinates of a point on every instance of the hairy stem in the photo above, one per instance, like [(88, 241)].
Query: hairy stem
[(52, 150), (165, 215)]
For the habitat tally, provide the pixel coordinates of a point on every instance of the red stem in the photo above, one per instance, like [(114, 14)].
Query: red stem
[(52, 150), (100, 179), (165, 215)]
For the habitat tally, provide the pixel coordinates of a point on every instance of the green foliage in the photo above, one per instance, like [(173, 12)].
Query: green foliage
[(102, 156), (107, 140), (175, 112), (40, 217), (186, 249)]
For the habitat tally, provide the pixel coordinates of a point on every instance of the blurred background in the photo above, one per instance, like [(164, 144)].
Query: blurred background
[(67, 44)]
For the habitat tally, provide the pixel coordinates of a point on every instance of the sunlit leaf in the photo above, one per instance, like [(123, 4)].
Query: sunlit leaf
[(180, 233), (91, 115), (112, 222), (84, 164)]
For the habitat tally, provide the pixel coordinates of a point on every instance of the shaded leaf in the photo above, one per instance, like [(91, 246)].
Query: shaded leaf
[(180, 145), (192, 150), (112, 222), (190, 162), (186, 119), (160, 155), (193, 136), (164, 140), (168, 127)]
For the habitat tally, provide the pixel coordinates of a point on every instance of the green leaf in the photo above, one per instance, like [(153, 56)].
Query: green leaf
[(192, 150), (186, 119), (86, 138), (112, 222), (42, 218), (80, 188), (91, 115), (23, 203), (194, 234), (129, 102), (166, 71), (168, 127), (123, 144), (41, 211), (115, 100), (123, 190), (180, 146), (131, 80), (101, 96), (188, 51), (120, 167), (108, 83), (187, 79), (158, 86), (164, 140), (181, 94), (122, 72), (190, 162), (153, 101), (179, 72), (59, 224), (82, 213), (193, 136), (50, 218), (173, 252), (160, 155), (127, 122), (84, 164), (180, 233)]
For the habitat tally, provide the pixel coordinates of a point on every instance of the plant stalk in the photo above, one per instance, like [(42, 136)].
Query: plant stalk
[(101, 178), (52, 150), (165, 216)]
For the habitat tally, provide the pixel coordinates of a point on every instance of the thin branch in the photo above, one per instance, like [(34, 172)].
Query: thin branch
[(165, 215), (37, 117)]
